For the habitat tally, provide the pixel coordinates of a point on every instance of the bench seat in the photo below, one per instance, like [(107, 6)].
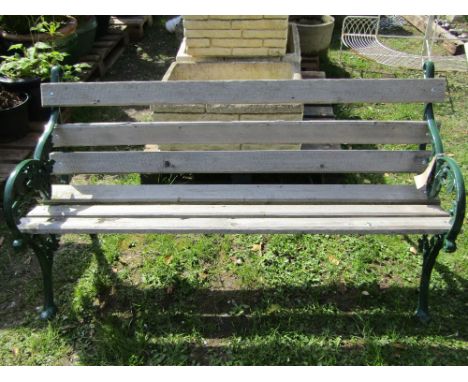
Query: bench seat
[(232, 218), (237, 208)]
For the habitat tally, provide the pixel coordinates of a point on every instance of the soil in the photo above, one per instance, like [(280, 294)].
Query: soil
[(309, 20), (9, 100)]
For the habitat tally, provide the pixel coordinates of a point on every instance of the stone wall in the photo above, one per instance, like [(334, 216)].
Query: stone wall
[(236, 36)]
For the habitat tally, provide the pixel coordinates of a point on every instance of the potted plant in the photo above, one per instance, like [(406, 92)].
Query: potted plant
[(13, 115), (24, 70), (315, 33), (59, 31)]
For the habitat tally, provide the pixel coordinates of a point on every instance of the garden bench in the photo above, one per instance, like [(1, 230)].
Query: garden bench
[(38, 205)]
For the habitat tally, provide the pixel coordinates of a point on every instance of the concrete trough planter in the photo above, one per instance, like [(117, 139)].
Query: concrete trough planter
[(216, 71)]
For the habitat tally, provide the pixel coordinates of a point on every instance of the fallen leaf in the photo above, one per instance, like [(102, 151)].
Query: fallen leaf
[(273, 308), (257, 247), (333, 260), (413, 250), (15, 351), (168, 259), (365, 293)]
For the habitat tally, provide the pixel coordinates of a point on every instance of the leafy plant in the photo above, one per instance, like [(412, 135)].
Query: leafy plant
[(49, 27), (26, 24), (37, 61)]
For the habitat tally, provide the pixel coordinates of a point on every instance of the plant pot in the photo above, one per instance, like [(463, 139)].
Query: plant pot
[(31, 38), (86, 34), (315, 34), (31, 86), (65, 40), (102, 25), (14, 123)]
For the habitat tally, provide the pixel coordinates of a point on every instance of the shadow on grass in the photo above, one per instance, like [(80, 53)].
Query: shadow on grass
[(187, 324), (184, 324), (135, 323)]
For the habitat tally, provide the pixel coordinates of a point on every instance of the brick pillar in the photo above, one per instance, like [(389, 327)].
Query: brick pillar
[(236, 36)]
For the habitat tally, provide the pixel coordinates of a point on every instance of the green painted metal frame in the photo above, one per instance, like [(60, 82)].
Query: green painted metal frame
[(31, 180), (446, 175)]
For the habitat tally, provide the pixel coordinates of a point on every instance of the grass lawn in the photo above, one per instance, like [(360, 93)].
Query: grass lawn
[(242, 299)]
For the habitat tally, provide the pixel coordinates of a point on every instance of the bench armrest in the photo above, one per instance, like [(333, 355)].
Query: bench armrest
[(436, 141), (447, 176), (30, 180)]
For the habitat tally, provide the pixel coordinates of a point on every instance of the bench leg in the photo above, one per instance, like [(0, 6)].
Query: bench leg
[(430, 249), (44, 248)]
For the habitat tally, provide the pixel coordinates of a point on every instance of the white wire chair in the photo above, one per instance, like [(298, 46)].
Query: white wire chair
[(361, 34)]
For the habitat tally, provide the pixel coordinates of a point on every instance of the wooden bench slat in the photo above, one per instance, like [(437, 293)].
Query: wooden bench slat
[(317, 91), (233, 211), (259, 132), (306, 161), (239, 193), (357, 225)]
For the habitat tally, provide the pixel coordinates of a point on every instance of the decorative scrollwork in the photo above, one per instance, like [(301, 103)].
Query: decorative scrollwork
[(29, 182), (447, 176), (46, 244)]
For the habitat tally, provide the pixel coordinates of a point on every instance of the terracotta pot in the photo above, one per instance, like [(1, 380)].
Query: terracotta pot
[(31, 38)]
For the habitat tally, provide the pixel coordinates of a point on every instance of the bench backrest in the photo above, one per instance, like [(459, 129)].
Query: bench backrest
[(116, 161)]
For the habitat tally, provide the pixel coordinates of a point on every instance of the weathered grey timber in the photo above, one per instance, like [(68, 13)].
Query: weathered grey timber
[(257, 132), (241, 92)]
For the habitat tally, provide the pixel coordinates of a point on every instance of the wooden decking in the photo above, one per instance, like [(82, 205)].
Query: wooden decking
[(104, 53), (134, 24), (12, 153)]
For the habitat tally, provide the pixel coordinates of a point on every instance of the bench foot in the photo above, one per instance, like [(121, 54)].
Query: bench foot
[(44, 248), (48, 313), (430, 249)]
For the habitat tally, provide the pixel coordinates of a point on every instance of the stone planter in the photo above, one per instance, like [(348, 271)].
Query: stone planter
[(315, 33), (213, 71)]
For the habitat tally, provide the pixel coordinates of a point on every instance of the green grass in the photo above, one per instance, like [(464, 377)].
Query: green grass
[(241, 299)]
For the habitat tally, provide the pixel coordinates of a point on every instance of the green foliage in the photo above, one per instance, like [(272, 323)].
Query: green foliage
[(37, 61), (26, 24), (50, 27)]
